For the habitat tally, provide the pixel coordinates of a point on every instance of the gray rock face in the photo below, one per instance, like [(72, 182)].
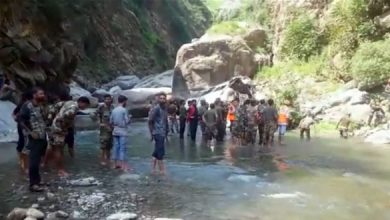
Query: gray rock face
[(76, 92), (156, 81), (122, 216), (99, 94), (211, 61), (384, 20), (115, 90), (7, 123), (123, 82)]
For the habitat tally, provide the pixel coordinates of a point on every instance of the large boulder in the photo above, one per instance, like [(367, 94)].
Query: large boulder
[(139, 99), (99, 94), (359, 113), (123, 82), (76, 92), (384, 20), (256, 37), (156, 81), (214, 60), (7, 123)]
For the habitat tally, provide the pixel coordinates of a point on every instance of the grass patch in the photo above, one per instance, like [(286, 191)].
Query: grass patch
[(324, 126)]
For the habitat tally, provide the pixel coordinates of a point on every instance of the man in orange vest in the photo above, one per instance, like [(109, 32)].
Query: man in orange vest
[(284, 114)]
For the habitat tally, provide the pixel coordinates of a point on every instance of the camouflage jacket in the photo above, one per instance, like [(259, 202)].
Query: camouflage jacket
[(242, 116), (103, 114), (64, 119)]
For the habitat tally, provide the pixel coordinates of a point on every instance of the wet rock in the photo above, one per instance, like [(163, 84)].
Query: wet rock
[(122, 216), (61, 214), (123, 82), (50, 196), (89, 181), (41, 199), (35, 213), (115, 90), (286, 195), (129, 177), (378, 137), (76, 215), (35, 206), (156, 81), (30, 218), (17, 214)]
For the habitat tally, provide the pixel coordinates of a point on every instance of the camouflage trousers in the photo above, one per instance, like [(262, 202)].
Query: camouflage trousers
[(106, 140), (250, 134), (210, 132), (269, 130), (57, 140)]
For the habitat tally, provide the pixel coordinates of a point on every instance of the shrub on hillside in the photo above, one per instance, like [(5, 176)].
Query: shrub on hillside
[(371, 63), (301, 40)]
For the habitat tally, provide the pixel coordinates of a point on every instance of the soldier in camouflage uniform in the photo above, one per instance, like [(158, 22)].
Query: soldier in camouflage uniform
[(242, 122), (252, 122), (103, 115), (62, 121)]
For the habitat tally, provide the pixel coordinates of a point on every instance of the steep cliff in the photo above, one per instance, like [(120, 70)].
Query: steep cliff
[(46, 42)]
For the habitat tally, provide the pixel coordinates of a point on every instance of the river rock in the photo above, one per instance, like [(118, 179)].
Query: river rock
[(35, 213), (99, 94), (359, 113), (89, 181), (30, 218), (17, 214), (7, 123), (122, 216), (76, 92), (239, 86), (384, 20), (379, 137), (35, 206), (115, 90), (123, 82), (61, 214), (156, 81), (256, 37), (211, 61), (139, 99)]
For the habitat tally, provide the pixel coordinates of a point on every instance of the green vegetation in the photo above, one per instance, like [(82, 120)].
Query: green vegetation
[(227, 27), (371, 63), (324, 126), (301, 39)]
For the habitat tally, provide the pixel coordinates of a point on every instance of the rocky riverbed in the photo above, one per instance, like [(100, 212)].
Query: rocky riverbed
[(325, 178)]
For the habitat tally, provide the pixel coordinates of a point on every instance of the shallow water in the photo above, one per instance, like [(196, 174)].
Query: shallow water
[(327, 178)]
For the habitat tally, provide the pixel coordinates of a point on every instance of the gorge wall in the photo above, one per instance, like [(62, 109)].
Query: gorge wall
[(47, 42)]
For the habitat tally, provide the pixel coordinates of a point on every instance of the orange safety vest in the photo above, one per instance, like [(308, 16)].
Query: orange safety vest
[(231, 116), (283, 116)]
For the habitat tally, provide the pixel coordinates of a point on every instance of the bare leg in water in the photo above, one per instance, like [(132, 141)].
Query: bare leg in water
[(154, 165), (161, 167)]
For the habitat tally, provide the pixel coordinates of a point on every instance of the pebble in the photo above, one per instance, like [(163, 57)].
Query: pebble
[(35, 206), (52, 207), (35, 213), (41, 199), (76, 215), (50, 196), (122, 216), (30, 218)]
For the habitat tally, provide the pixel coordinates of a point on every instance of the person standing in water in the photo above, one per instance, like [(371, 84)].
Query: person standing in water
[(193, 119), (22, 138), (343, 126), (210, 119), (158, 127), (260, 110), (283, 117), (172, 118), (182, 118), (270, 117), (103, 114), (305, 125), (221, 123), (120, 121), (32, 118), (204, 106)]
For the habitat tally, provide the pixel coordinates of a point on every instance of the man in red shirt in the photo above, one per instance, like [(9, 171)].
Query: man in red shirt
[(192, 118)]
